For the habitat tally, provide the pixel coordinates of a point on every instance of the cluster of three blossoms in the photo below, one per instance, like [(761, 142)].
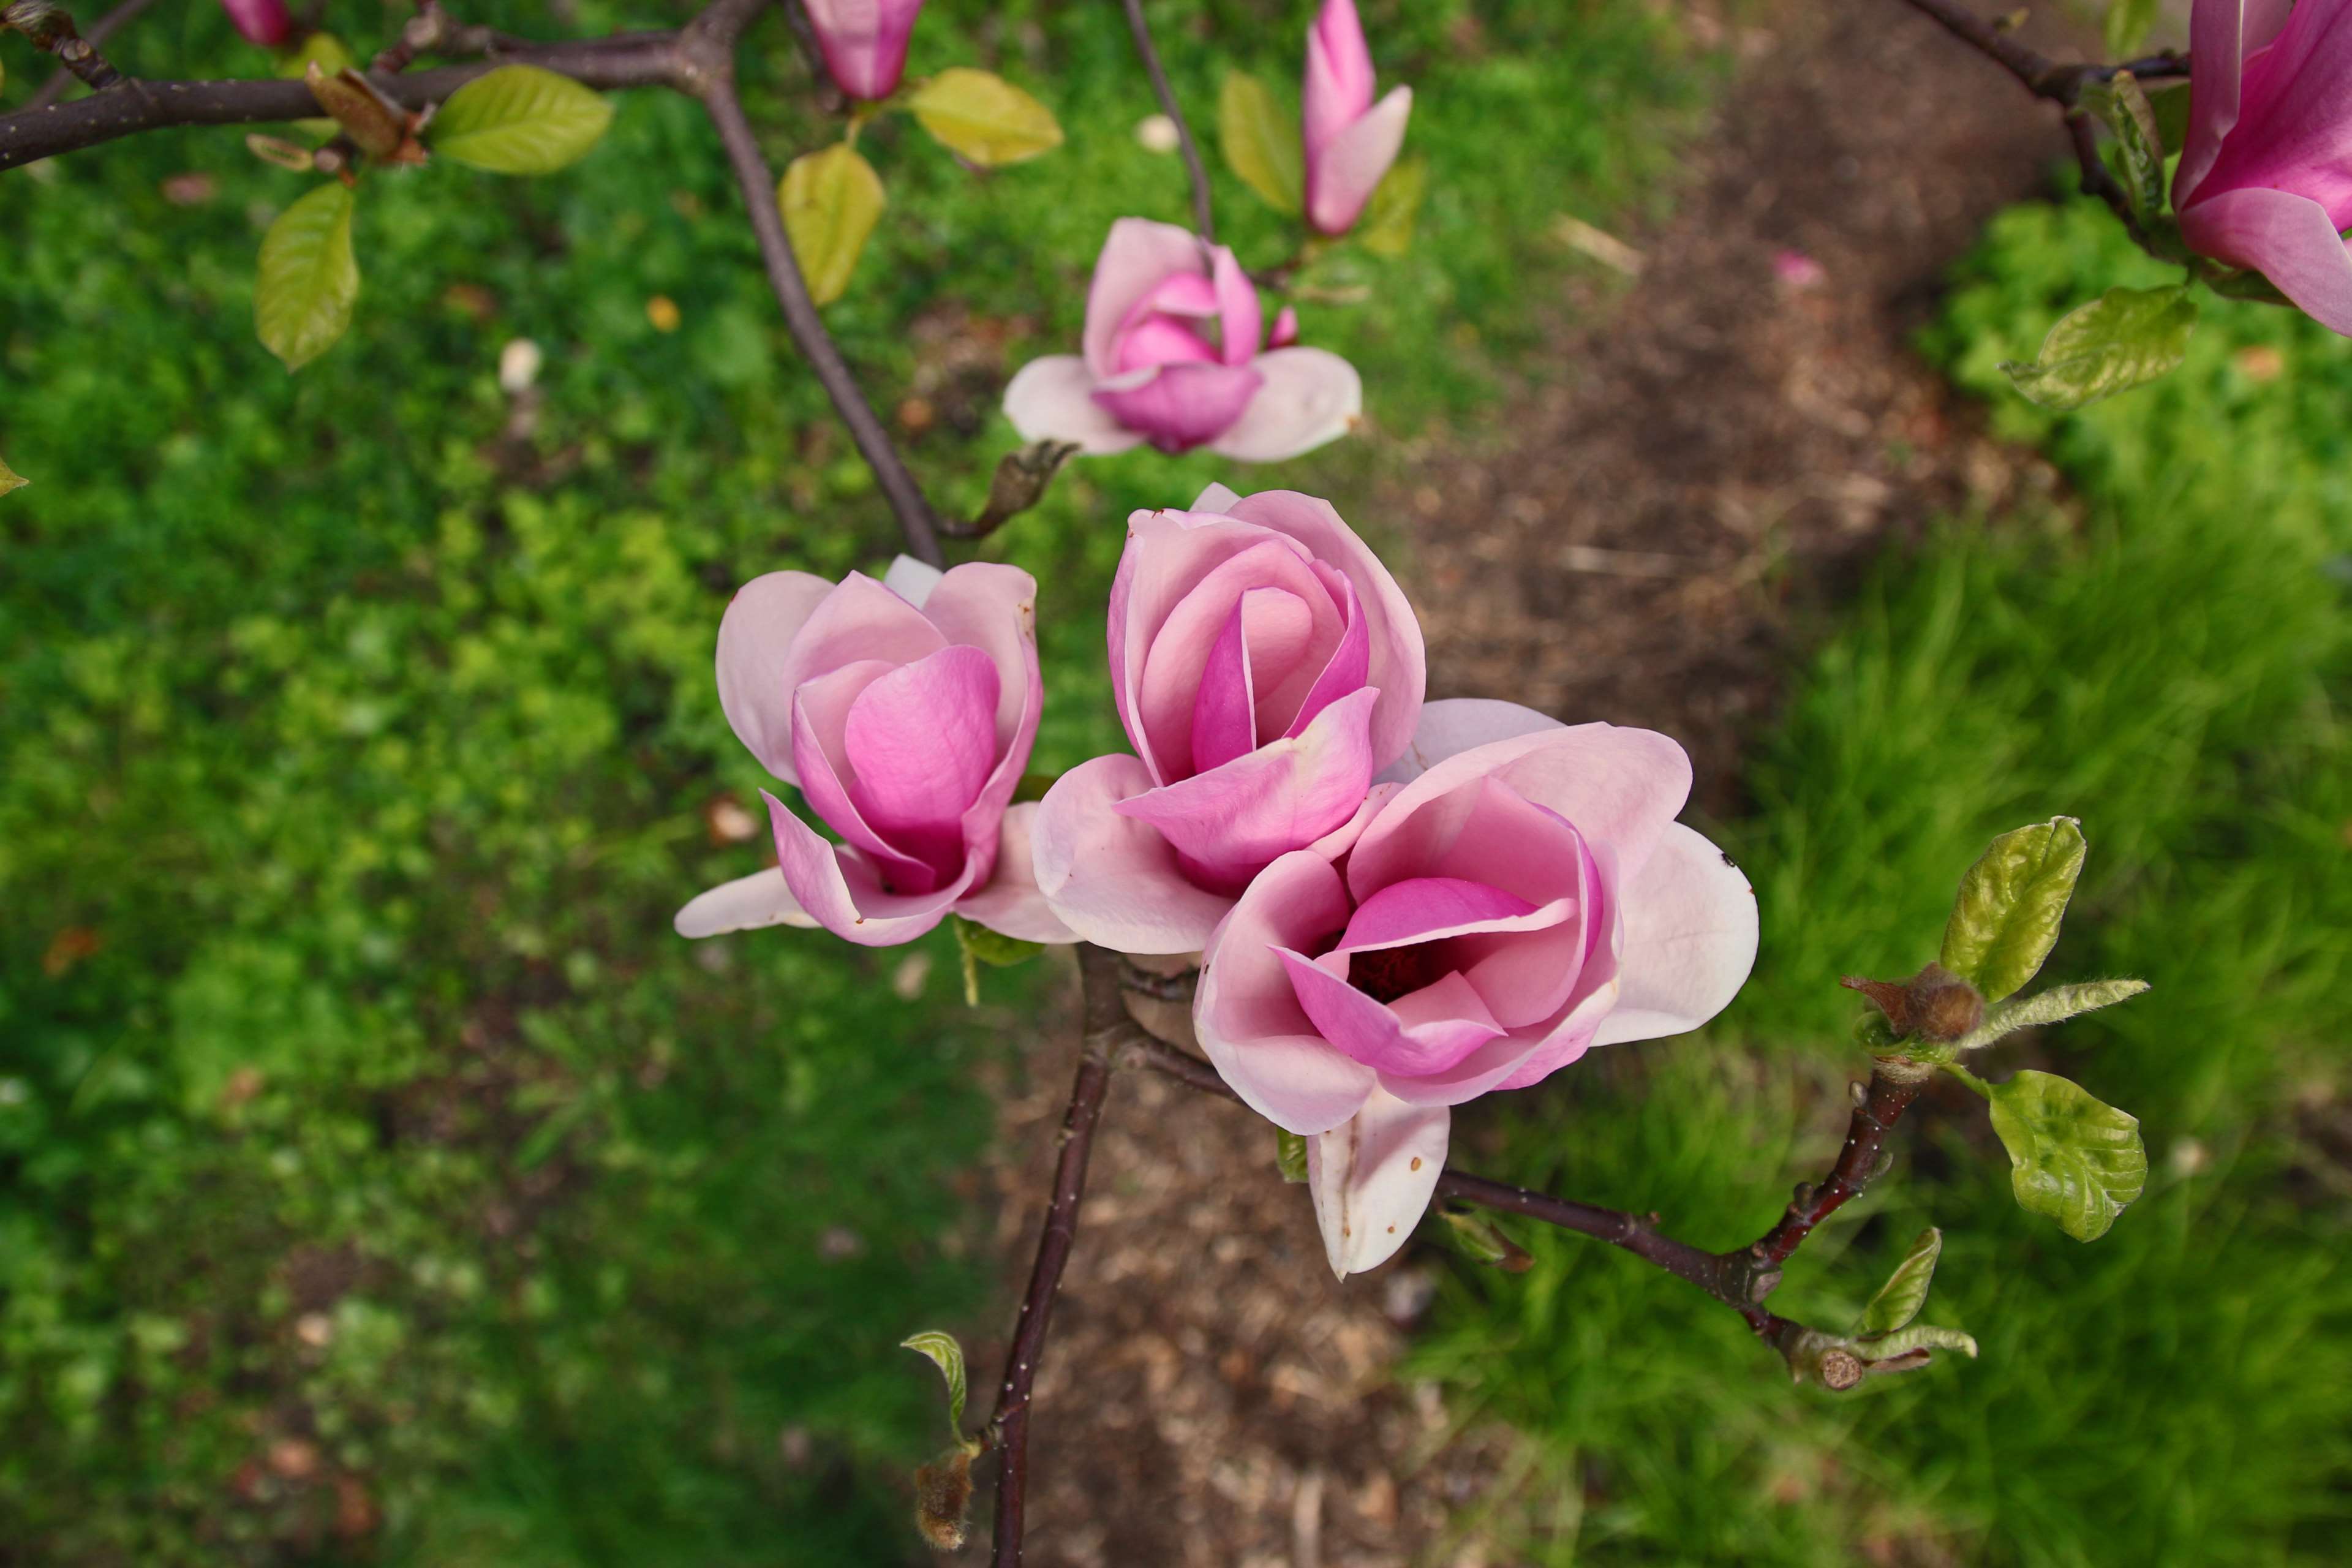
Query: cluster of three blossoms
[(1398, 904)]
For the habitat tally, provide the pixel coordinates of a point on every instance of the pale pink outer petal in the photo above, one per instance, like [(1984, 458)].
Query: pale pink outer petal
[(2221, 34), (1454, 724), (754, 636), (1247, 1017), (1340, 181), (1337, 83), (1371, 1179), (1689, 940), (1241, 320), (1617, 787), (1138, 256), (747, 903), (842, 895), (913, 580), (1399, 663), (1052, 399), (2288, 238), (1012, 902), (1309, 397), (1217, 498), (1111, 879)]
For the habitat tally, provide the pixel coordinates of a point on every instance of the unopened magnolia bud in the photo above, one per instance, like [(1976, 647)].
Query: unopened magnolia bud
[(1935, 1003), (944, 1499)]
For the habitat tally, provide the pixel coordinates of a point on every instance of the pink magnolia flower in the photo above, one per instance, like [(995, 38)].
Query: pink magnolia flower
[(1350, 141), (1264, 665), (904, 710), (262, 22), (864, 42), (1174, 355), (1515, 892), (2265, 176)]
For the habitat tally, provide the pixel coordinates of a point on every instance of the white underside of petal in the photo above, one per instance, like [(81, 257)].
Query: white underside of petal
[(747, 903), (1372, 1177)]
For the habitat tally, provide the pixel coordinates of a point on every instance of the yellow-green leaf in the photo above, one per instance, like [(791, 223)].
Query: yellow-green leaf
[(2006, 917), (830, 200), (308, 279), (947, 1355), (983, 118), (1905, 1291), (2123, 339), (520, 120), (1388, 216), (1290, 1155), (10, 479), (2072, 1157), (1260, 139)]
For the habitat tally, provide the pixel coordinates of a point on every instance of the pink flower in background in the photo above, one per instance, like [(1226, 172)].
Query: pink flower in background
[(904, 710), (864, 42), (262, 22), (1517, 893), (2265, 176), (1350, 141), (1797, 270), (1174, 355), (1264, 665)]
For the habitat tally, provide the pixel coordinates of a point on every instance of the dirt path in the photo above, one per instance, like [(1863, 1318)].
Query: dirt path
[(1724, 444)]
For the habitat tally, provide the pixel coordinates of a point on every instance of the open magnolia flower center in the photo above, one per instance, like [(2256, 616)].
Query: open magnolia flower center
[(1385, 973)]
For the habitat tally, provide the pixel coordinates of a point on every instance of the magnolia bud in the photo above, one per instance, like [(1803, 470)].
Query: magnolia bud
[(944, 1499), (1935, 1003)]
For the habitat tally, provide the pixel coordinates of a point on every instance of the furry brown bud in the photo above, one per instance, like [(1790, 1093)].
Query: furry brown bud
[(1935, 1003), (944, 1499)]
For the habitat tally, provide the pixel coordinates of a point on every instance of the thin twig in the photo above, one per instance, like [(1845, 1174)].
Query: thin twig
[(47, 28), (1202, 220), (1176, 987), (1104, 1025), (105, 27)]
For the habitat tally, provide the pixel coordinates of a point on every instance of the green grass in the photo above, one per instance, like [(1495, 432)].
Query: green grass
[(368, 740), (2167, 665)]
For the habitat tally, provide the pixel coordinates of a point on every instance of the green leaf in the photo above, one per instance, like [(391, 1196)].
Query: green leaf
[(2072, 1157), (982, 118), (2121, 340), (1388, 216), (1918, 1336), (520, 120), (2127, 26), (2006, 917), (2169, 103), (2045, 1007), (1483, 1241), (2139, 144), (10, 479), (308, 280), (832, 199), (947, 1355), (1905, 1291), (1260, 141), (1290, 1155), (1033, 786), (994, 948)]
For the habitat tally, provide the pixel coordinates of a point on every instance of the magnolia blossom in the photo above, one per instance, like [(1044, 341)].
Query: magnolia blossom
[(2265, 175), (1350, 141), (864, 42), (904, 710), (1265, 666), (263, 22), (1513, 893), (1176, 354)]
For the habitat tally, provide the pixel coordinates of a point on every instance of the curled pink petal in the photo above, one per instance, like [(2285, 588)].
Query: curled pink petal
[(2289, 239), (1689, 942), (841, 892), (1138, 257), (1338, 83), (1110, 879), (747, 903), (864, 42), (921, 741), (1179, 405), (1011, 903), (1343, 179)]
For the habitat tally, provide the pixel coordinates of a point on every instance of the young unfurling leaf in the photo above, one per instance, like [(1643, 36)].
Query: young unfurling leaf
[(2123, 339), (308, 278), (984, 118), (1260, 139), (521, 120), (946, 1353), (1905, 1291), (2006, 917), (2072, 1157), (832, 199), (10, 479), (1290, 1155), (2045, 1007)]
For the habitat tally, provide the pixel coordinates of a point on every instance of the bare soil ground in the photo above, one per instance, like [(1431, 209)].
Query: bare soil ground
[(1712, 448)]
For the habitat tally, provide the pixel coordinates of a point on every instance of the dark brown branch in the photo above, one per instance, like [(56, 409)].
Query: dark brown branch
[(1203, 219), (47, 28), (1177, 987), (1104, 1025), (105, 27)]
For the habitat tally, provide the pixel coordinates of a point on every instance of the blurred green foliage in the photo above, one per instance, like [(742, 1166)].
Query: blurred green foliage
[(2164, 658), (379, 1176)]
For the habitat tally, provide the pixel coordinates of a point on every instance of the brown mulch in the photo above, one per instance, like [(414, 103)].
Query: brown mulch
[(1638, 542)]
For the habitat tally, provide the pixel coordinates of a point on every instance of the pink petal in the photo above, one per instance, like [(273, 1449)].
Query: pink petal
[(1349, 669), (1310, 397), (1224, 708), (1052, 399), (921, 741), (1178, 406), (1168, 554), (841, 893), (1112, 880), (2292, 133), (1396, 663), (994, 608), (821, 756), (1216, 498), (1284, 334), (755, 635), (864, 42), (1227, 824), (263, 22), (1337, 85), (1689, 942), (1448, 1021), (1240, 318), (1246, 1016), (1011, 903), (747, 903), (2290, 239), (1157, 341), (1342, 180), (1482, 830), (912, 581), (1454, 724), (1342, 838), (1285, 631), (1529, 978), (1138, 257), (2221, 34), (1372, 1179), (1427, 908)]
